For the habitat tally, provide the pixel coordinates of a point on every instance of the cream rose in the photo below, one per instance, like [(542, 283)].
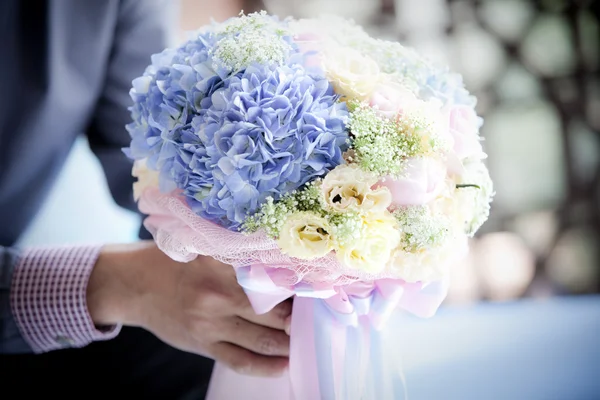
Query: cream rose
[(146, 178), (352, 74), (372, 251), (381, 221), (305, 235), (349, 188)]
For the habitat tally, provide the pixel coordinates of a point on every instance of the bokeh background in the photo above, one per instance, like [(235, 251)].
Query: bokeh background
[(522, 320)]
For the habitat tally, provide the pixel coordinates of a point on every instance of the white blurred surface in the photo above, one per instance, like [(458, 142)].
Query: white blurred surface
[(523, 350)]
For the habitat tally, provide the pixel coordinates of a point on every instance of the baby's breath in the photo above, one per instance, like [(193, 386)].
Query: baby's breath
[(420, 122), (421, 230), (382, 145), (251, 38), (272, 215), (393, 58), (309, 198), (346, 227)]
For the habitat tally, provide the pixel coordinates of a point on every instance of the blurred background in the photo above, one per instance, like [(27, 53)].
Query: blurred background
[(533, 66)]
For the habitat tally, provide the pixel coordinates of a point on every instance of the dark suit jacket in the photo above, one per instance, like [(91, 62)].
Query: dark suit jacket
[(66, 68)]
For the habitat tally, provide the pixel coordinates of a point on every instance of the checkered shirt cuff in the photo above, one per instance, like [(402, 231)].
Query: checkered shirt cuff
[(48, 298)]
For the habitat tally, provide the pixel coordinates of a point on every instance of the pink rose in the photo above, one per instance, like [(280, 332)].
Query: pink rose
[(463, 128), (389, 98), (424, 180)]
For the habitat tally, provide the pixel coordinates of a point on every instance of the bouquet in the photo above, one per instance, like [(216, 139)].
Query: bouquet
[(321, 163)]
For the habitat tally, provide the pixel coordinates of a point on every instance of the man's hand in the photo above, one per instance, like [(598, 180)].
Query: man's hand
[(196, 307)]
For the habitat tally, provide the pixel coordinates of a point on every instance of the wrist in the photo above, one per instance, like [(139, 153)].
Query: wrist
[(119, 282)]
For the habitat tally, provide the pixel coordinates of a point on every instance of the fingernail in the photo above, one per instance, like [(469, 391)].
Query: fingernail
[(288, 325)]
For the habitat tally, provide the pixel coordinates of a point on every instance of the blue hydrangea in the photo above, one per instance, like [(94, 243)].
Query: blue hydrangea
[(435, 82), (267, 131), (232, 129), (446, 86), (426, 79), (173, 89)]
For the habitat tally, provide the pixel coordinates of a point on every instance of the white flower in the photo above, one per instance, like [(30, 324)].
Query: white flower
[(147, 178), (423, 228), (428, 120), (305, 235), (252, 38), (349, 188), (474, 193), (352, 74), (428, 265), (371, 252), (447, 204), (433, 239), (331, 28)]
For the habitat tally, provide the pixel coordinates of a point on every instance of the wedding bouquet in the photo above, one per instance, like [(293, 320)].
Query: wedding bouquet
[(320, 163)]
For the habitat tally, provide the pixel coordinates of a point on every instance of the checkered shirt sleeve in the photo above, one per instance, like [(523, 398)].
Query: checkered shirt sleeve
[(48, 298)]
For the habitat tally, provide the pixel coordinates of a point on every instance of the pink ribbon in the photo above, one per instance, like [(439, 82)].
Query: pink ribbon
[(319, 311)]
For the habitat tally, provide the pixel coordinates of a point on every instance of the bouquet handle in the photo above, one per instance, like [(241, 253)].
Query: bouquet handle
[(339, 345), (328, 361)]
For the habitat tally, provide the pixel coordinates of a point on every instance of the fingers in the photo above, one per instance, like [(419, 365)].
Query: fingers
[(277, 318), (246, 362), (257, 338)]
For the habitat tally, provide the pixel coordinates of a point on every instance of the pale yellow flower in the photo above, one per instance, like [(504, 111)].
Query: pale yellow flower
[(305, 235), (349, 188), (381, 221), (146, 178), (372, 251), (353, 74)]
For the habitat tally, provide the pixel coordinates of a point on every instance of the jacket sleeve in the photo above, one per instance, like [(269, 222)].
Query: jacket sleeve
[(11, 340), (42, 290)]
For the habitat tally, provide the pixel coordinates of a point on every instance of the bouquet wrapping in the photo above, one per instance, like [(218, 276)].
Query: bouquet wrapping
[(322, 164)]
